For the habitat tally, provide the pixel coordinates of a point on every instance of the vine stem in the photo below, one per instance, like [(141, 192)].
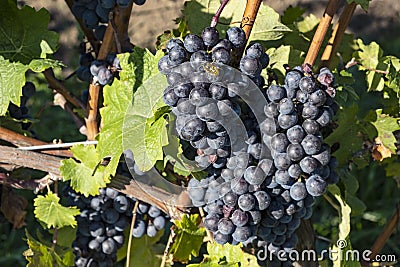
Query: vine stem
[(33, 160), (128, 252), (22, 140), (167, 246), (60, 101), (320, 33), (88, 33), (34, 185), (337, 34), (119, 23), (57, 85), (384, 235), (214, 20), (55, 233)]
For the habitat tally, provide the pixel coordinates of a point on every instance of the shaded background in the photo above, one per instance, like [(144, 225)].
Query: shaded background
[(381, 23)]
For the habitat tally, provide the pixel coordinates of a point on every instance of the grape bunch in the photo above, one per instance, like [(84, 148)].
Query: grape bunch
[(95, 13), (102, 222), (201, 99), (22, 112), (104, 71), (256, 192)]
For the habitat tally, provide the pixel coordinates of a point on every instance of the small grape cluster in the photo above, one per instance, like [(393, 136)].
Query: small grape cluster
[(102, 222), (95, 13), (104, 71), (22, 112)]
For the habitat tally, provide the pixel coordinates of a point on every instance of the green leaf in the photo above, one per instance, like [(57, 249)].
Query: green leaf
[(198, 14), (40, 255), (145, 131), (12, 79), (39, 65), (137, 68), (344, 212), (189, 237), (284, 55), (49, 211), (344, 229), (291, 15), (227, 255), (23, 32), (370, 57), (87, 176), (349, 125), (386, 125), (363, 3), (144, 250)]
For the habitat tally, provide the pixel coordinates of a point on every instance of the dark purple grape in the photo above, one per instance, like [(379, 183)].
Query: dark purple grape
[(193, 43), (236, 36), (210, 36), (315, 185)]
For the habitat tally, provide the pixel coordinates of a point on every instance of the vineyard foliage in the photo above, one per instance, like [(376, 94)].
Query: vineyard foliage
[(133, 115)]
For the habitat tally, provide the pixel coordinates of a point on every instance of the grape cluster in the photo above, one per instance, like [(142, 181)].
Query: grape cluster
[(95, 13), (257, 192), (104, 71), (21, 112), (102, 222)]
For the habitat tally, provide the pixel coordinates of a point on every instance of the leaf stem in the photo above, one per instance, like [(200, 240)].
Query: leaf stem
[(384, 235), (167, 246), (215, 19), (128, 252), (337, 34), (320, 33), (55, 233)]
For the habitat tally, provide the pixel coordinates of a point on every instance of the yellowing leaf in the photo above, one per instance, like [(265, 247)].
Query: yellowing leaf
[(379, 151), (49, 211)]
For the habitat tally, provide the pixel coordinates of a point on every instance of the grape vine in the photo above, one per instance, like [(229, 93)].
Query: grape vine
[(245, 134)]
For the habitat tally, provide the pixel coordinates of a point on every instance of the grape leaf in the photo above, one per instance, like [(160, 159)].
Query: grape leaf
[(143, 251), (349, 125), (363, 3), (23, 32), (198, 14), (370, 57), (226, 255), (284, 55), (144, 129), (386, 125), (40, 255), (291, 15), (12, 78), (137, 68), (86, 176), (188, 239), (49, 210), (344, 211)]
